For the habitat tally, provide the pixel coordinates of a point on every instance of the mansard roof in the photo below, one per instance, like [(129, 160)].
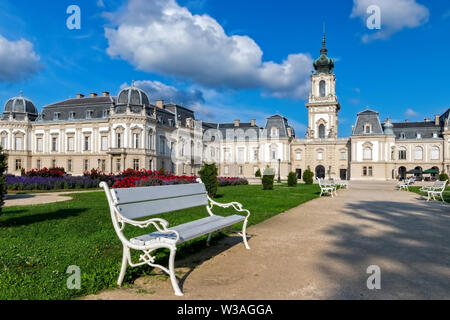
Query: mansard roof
[(367, 117)]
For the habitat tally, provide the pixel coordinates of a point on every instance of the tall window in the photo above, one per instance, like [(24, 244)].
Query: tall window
[(117, 165), (87, 143), (103, 165), (18, 164), (370, 172), (274, 132), (119, 140), (227, 154), (367, 153), (435, 153), (69, 165), (418, 153), (150, 140), (39, 145), (19, 143), (343, 155), (86, 165), (162, 145), (53, 163), (274, 153), (38, 164), (298, 156), (70, 144), (136, 164), (402, 153), (241, 155), (136, 140), (367, 130), (3, 142), (54, 144), (322, 88), (226, 170), (364, 171), (322, 131), (320, 155), (104, 143)]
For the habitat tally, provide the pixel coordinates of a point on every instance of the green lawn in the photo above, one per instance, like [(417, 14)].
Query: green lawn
[(38, 243), (446, 193)]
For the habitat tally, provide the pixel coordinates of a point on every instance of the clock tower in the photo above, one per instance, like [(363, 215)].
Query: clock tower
[(323, 105)]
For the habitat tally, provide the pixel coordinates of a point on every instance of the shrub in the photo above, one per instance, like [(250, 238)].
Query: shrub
[(292, 179), (208, 174), (3, 168), (308, 176), (443, 176), (268, 178), (258, 173)]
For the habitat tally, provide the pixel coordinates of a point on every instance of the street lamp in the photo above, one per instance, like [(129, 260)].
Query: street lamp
[(279, 166)]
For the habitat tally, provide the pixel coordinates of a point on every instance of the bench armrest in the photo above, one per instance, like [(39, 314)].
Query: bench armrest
[(235, 205)]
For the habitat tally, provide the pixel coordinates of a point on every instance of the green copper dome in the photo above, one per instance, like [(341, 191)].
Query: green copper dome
[(324, 64)]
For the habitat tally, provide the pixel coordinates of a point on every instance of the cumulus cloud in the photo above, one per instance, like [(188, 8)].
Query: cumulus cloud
[(162, 37), (160, 91), (395, 16), (18, 61), (410, 112)]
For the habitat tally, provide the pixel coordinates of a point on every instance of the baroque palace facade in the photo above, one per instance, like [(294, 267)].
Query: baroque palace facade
[(127, 131)]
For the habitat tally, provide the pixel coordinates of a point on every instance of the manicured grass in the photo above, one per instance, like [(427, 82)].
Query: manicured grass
[(38, 243), (446, 193)]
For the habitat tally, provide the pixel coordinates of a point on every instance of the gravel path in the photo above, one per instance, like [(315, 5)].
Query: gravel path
[(39, 198), (321, 250)]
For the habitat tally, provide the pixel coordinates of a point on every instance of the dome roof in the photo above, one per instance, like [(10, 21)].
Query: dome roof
[(20, 105), (324, 64), (132, 95)]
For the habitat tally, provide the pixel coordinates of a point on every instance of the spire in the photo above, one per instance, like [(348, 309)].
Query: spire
[(324, 64), (21, 93), (324, 42)]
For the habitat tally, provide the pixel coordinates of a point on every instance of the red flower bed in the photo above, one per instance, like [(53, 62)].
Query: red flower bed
[(144, 178), (45, 172)]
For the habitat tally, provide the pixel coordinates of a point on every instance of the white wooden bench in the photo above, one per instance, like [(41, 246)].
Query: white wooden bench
[(341, 183), (437, 190), (326, 187), (126, 205), (404, 185)]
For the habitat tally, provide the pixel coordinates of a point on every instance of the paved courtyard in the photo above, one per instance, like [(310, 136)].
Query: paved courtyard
[(321, 250)]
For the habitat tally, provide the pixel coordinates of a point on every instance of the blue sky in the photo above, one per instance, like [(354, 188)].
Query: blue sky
[(230, 59)]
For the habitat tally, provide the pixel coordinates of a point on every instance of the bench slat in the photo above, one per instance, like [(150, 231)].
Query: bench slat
[(191, 230), (150, 208), (128, 195)]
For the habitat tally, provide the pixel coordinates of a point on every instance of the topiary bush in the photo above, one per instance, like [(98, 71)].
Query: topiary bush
[(268, 177), (3, 168), (292, 179), (208, 174), (308, 176), (258, 173), (443, 176)]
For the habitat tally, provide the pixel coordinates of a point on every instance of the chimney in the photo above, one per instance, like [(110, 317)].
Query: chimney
[(426, 120), (80, 95), (160, 104), (436, 120), (406, 120), (93, 94), (105, 93), (236, 123), (253, 123)]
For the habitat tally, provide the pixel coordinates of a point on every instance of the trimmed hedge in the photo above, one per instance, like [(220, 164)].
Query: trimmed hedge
[(308, 176), (443, 176), (208, 174), (292, 179)]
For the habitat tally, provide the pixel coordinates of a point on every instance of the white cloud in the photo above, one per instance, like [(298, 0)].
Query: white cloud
[(395, 16), (162, 37), (160, 91), (410, 112), (100, 4), (18, 61)]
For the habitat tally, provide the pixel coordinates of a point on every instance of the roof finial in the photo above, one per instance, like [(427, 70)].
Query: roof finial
[(323, 39), (132, 83), (21, 93)]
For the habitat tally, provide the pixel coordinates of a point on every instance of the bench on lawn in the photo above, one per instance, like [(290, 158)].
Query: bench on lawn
[(327, 187), (404, 185), (126, 205), (436, 190)]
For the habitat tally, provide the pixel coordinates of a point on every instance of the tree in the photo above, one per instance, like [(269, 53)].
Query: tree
[(258, 173), (308, 176), (267, 180), (292, 179), (3, 169), (208, 174)]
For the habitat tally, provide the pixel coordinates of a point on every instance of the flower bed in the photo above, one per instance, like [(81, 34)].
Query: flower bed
[(224, 182), (50, 183)]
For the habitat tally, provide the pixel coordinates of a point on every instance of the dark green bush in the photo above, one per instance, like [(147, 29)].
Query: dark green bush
[(267, 180), (208, 174), (443, 176), (308, 176), (292, 179), (3, 168), (258, 173)]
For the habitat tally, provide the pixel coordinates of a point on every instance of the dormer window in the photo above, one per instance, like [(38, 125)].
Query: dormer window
[(419, 135), (367, 129), (71, 115), (105, 113), (435, 135), (89, 114), (402, 135), (57, 116), (274, 132)]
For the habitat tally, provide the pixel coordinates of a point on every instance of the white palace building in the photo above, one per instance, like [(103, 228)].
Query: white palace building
[(113, 133)]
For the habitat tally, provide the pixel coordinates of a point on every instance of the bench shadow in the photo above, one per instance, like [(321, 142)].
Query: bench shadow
[(40, 217), (19, 196), (219, 244)]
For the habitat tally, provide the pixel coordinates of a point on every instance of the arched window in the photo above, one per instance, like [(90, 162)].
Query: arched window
[(435, 153), (274, 132), (367, 153), (321, 131), (418, 153), (367, 129), (322, 88)]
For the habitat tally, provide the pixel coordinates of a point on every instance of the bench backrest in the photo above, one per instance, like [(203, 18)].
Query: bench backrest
[(440, 185), (142, 202)]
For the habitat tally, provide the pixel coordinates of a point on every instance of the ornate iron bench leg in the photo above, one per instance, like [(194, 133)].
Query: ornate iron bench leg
[(173, 278), (244, 234), (209, 239)]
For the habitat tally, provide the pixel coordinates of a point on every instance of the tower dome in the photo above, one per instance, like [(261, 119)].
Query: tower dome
[(324, 64), (133, 96), (20, 105)]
